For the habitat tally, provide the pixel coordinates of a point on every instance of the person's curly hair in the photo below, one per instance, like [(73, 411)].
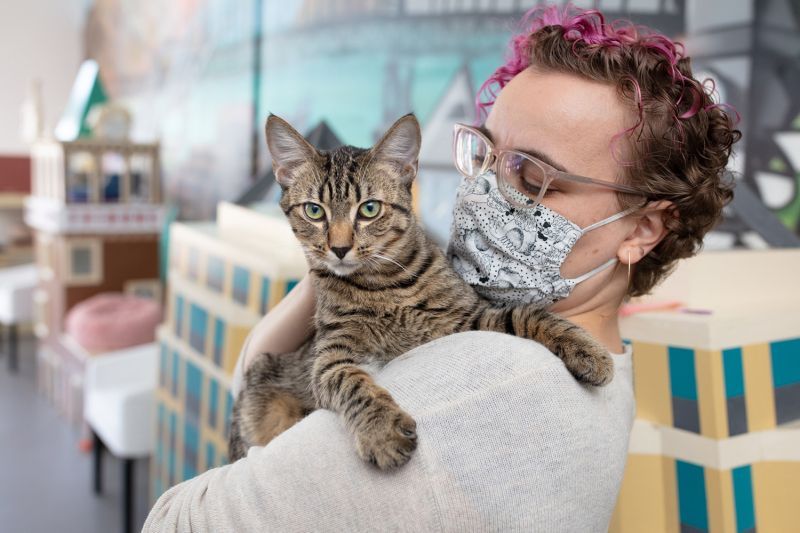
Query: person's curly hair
[(680, 145)]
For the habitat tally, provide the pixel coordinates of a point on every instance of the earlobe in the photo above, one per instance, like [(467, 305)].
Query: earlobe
[(650, 230)]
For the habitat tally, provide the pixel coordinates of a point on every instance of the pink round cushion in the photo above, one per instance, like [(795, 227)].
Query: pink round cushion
[(113, 320)]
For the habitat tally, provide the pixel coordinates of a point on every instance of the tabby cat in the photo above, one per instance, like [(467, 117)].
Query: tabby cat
[(383, 287)]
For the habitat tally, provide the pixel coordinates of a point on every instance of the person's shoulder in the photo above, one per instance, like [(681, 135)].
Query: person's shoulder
[(473, 350), (458, 365)]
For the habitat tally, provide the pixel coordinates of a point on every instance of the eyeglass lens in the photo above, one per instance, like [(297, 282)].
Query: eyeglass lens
[(520, 180)]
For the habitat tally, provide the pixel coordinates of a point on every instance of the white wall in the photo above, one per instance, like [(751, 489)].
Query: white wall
[(38, 39)]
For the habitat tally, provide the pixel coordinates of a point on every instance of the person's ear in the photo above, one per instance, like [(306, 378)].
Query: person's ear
[(649, 230), (288, 149)]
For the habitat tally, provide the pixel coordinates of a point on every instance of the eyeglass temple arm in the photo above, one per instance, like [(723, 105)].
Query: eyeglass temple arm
[(602, 183)]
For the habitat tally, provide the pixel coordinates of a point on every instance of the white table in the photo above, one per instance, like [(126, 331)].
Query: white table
[(17, 285)]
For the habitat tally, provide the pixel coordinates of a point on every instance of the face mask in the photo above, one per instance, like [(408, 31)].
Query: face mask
[(514, 255)]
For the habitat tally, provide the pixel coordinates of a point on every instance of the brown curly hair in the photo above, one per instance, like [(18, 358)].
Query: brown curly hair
[(680, 145)]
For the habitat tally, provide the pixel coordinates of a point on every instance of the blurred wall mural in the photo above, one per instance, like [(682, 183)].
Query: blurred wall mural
[(202, 75)]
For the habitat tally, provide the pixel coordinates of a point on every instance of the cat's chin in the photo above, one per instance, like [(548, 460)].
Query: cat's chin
[(342, 270)]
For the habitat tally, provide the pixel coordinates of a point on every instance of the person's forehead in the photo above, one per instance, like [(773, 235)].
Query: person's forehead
[(570, 119)]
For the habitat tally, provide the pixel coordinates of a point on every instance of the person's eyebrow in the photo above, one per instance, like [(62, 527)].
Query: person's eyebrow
[(532, 151)]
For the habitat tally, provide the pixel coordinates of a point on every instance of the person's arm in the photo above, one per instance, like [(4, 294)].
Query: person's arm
[(284, 329)]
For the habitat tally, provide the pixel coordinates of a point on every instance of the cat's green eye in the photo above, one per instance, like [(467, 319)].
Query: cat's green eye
[(370, 209), (314, 211)]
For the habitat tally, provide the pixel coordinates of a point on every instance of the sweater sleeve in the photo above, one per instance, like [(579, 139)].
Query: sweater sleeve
[(307, 479), (506, 438)]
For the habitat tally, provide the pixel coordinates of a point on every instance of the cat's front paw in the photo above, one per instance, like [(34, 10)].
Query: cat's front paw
[(387, 437), (587, 359)]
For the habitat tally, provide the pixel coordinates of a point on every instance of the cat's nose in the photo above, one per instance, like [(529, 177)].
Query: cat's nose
[(341, 251)]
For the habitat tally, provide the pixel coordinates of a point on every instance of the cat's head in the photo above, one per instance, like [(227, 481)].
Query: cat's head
[(349, 207)]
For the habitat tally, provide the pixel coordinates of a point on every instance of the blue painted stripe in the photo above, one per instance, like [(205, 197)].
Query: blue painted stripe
[(692, 495), (743, 496), (193, 393), (785, 362), (162, 377), (179, 316), (173, 422), (228, 413), (290, 285), (194, 379), (734, 372), (161, 430), (264, 294), (198, 325), (175, 367), (219, 341), (216, 273), (213, 398), (683, 381), (241, 284), (190, 450), (211, 455)]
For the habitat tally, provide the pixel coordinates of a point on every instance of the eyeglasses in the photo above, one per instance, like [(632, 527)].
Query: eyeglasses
[(522, 178)]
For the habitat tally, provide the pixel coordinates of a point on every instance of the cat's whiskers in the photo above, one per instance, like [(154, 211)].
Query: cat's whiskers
[(385, 258)]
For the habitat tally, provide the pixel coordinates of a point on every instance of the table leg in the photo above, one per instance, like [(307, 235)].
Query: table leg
[(97, 462), (13, 364), (127, 495)]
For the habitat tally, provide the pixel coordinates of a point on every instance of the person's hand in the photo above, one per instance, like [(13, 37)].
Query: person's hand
[(286, 326)]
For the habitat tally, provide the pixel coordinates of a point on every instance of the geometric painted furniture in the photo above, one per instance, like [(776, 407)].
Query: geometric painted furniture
[(716, 442), (119, 409), (747, 483), (96, 211), (719, 393), (223, 277)]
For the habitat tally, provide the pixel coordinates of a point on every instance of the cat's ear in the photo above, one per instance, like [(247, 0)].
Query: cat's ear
[(400, 145), (288, 149)]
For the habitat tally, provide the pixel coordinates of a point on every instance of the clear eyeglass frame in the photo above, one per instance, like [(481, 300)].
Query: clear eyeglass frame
[(503, 160)]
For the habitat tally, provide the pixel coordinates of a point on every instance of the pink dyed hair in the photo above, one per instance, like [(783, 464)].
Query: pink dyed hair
[(588, 28)]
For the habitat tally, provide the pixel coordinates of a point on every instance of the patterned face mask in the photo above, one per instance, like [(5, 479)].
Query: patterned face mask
[(514, 255)]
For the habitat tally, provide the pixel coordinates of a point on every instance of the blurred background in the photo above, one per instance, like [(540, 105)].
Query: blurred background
[(140, 240)]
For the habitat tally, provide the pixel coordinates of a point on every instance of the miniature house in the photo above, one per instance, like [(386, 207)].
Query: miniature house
[(95, 209), (223, 277)]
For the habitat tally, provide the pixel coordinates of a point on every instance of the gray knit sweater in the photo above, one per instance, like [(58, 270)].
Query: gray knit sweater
[(508, 441)]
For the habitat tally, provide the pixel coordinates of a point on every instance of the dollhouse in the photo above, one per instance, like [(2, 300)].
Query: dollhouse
[(96, 213)]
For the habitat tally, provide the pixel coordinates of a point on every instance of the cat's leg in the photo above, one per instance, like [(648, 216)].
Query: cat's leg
[(237, 448), (275, 396), (587, 359), (385, 435)]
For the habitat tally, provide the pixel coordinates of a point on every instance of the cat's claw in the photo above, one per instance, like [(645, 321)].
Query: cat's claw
[(389, 439)]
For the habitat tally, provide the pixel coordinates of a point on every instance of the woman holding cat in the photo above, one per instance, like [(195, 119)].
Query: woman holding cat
[(632, 150)]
